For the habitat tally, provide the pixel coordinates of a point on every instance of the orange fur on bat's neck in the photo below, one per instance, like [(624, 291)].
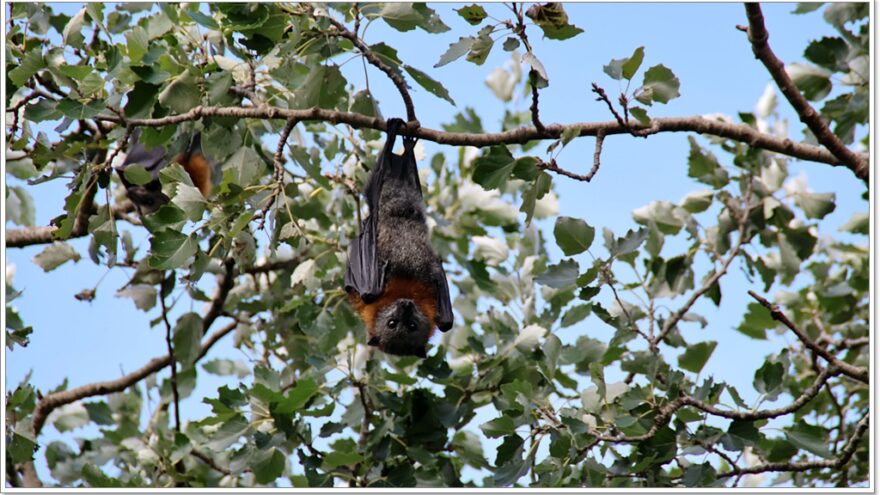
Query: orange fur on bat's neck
[(422, 294), (199, 170)]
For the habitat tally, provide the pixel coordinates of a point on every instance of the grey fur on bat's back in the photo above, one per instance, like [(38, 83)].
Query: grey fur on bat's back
[(403, 237)]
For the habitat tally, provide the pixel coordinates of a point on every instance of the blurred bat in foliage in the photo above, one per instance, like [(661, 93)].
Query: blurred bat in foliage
[(149, 197)]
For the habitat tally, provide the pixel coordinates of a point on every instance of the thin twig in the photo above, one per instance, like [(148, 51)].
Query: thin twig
[(758, 37), (371, 57), (742, 239), (624, 122), (278, 177), (171, 356), (855, 372), (846, 454)]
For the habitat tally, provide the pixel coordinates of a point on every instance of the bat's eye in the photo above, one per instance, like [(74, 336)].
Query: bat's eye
[(411, 326), (392, 323), (148, 201)]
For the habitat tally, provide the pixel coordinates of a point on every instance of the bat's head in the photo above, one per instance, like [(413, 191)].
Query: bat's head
[(401, 328), (148, 198)]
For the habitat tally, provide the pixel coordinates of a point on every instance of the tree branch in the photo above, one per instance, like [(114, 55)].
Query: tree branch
[(846, 454), (758, 37), (52, 401), (171, 358), (736, 132), (855, 372), (742, 239), (278, 177)]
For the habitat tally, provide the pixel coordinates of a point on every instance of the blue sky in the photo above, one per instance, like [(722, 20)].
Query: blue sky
[(108, 337)]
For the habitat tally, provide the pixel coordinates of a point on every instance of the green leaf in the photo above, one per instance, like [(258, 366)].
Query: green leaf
[(182, 94), (744, 433), (536, 191), (97, 479), (703, 166), (335, 459), (830, 53), (29, 65), (137, 174), (641, 115), (663, 213), (574, 315), (73, 31), (298, 396), (697, 201), (202, 19), (816, 205), (21, 448), (756, 321), (858, 224), (493, 168), (188, 338), (228, 433), (814, 82), (227, 367), (425, 81), (769, 378), (510, 44), (20, 206), (699, 475), (561, 275), (480, 48), (78, 111), (408, 16), (243, 167), (553, 20), (498, 427), (268, 467), (363, 103), (811, 438), (573, 235), (456, 50), (695, 357), (55, 255), (138, 44), (661, 83), (171, 249), (632, 64), (473, 14), (99, 412), (324, 87)]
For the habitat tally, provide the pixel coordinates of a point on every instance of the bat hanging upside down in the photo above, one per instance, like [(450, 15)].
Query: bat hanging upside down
[(394, 279), (149, 197)]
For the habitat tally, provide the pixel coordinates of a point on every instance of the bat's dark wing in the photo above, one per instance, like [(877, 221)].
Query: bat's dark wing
[(444, 304), (365, 272), (151, 159)]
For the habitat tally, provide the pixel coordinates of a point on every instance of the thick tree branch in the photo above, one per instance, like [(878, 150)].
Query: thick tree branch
[(371, 57), (43, 235), (855, 372), (758, 36), (736, 132)]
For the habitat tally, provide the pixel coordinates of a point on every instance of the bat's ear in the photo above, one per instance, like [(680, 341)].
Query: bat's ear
[(421, 352), (374, 341)]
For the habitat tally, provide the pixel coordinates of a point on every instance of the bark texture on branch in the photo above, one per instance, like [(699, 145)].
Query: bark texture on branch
[(703, 125), (758, 37)]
